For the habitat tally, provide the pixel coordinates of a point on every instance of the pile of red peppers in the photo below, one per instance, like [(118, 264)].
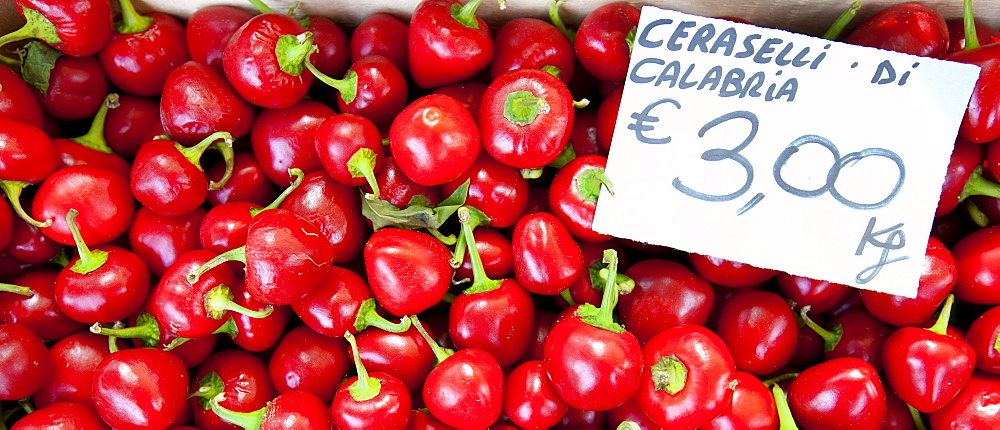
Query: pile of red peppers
[(263, 220)]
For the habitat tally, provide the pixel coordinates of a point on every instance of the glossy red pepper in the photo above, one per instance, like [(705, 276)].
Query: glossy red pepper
[(666, 294), (143, 50), (208, 31), (265, 59), (973, 406), (306, 360), (530, 43), (927, 367), (573, 195), (526, 116), (26, 362), (74, 28), (102, 197), (839, 392), (759, 329), (141, 388), (546, 258), (370, 400), (240, 377), (434, 140), (601, 43), (447, 42), (687, 377), (910, 28), (408, 271), (592, 361), (199, 101)]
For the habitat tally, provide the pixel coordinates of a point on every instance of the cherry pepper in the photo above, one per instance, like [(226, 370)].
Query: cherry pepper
[(295, 409), (28, 157), (76, 28), (92, 148), (573, 195), (143, 50), (448, 43), (286, 257), (265, 60), (497, 316), (376, 400), (593, 362), (981, 123), (194, 309), (465, 388), (526, 117), (838, 393), (687, 378), (104, 284), (168, 178), (927, 367)]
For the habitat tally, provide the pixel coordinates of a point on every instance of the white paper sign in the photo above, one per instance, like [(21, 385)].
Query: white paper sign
[(782, 151)]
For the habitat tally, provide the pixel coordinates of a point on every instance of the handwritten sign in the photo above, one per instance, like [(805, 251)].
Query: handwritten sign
[(782, 151)]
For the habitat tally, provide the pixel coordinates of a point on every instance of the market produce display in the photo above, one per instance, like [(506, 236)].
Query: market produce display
[(252, 218)]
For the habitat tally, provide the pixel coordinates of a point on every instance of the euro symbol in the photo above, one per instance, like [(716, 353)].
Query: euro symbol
[(642, 118)]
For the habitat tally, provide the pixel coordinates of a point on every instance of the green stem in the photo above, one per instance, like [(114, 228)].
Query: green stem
[(209, 386), (26, 405), (941, 325), (669, 374), (368, 317), (13, 191), (603, 317), (466, 15), (246, 420), (783, 377), (10, 62), (132, 21), (523, 107), (16, 289), (458, 255), (440, 353), (299, 176), (785, 419), (236, 254), (838, 26), (610, 298), (194, 153), (362, 163), (978, 185), (628, 425), (446, 240), (89, 260), (347, 87), (918, 421), (830, 337), (293, 51), (567, 155), (557, 20), (630, 38), (37, 26), (94, 139), (225, 147), (449, 298), (263, 8), (481, 283), (146, 329), (532, 173), (969, 21), (568, 297), (365, 387), (589, 184), (976, 215), (219, 300)]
